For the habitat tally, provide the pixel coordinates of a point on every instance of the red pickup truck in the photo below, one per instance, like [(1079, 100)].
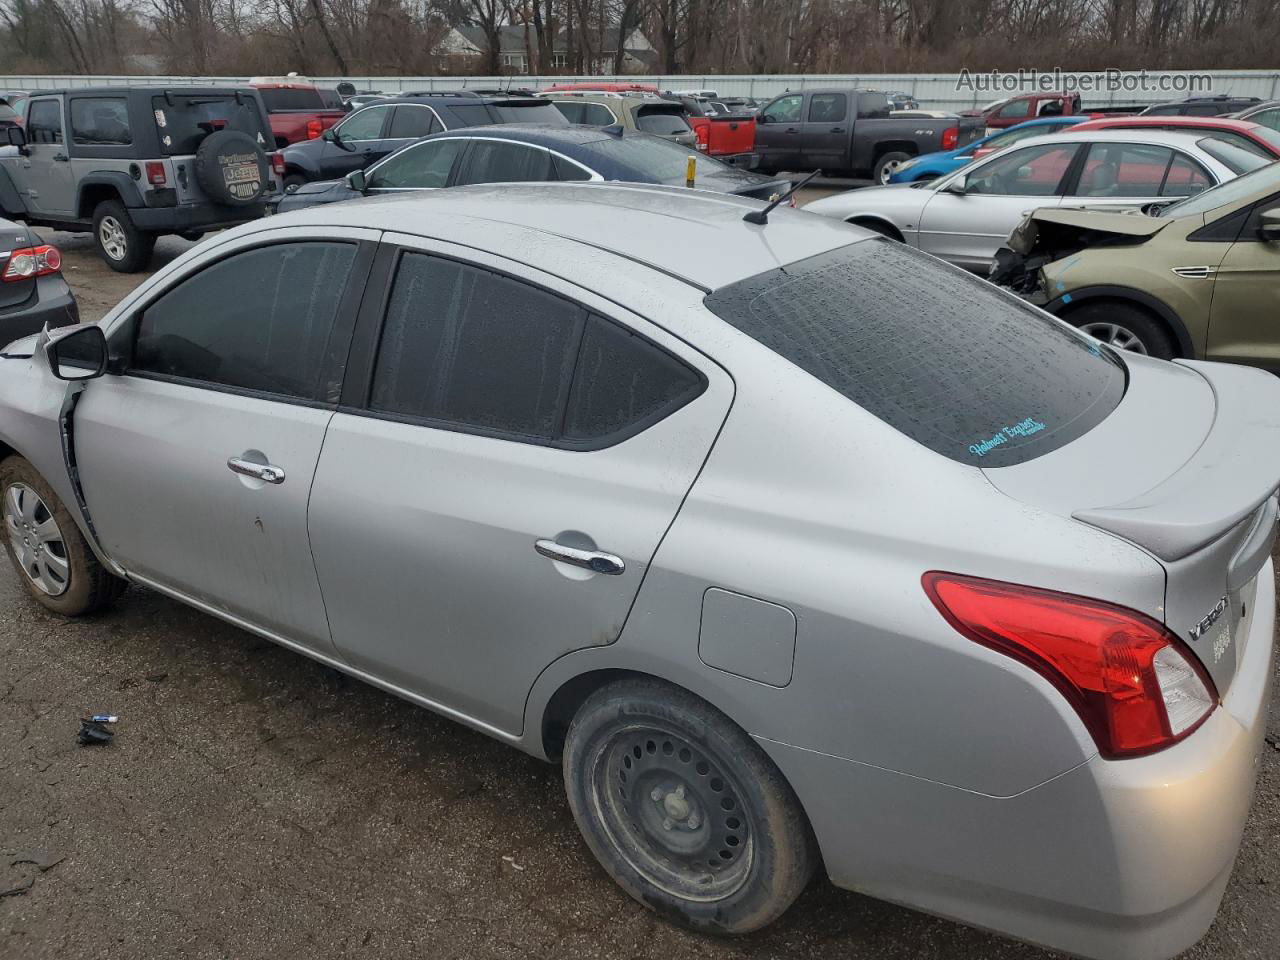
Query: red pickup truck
[(719, 134), (296, 109)]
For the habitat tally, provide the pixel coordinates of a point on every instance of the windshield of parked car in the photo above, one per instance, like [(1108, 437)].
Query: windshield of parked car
[(183, 121), (1236, 159), (954, 363), (664, 161), (1260, 182)]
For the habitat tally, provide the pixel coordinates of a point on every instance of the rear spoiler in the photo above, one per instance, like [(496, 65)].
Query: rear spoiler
[(1235, 471)]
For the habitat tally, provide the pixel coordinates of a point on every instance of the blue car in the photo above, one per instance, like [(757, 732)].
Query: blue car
[(934, 165)]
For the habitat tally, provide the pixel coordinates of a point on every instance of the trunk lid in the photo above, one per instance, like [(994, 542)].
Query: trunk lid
[(1194, 457)]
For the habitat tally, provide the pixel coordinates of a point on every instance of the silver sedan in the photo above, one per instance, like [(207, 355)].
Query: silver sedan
[(966, 216), (792, 545)]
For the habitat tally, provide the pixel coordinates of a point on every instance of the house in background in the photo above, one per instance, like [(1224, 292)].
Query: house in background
[(469, 44)]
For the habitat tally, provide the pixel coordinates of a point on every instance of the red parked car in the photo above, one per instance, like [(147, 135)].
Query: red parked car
[(296, 108), (1245, 134), (1028, 106)]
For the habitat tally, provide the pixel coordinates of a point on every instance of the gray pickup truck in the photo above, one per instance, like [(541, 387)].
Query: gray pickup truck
[(132, 163), (846, 132)]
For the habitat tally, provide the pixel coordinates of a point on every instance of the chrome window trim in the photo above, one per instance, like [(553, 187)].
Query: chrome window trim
[(594, 177)]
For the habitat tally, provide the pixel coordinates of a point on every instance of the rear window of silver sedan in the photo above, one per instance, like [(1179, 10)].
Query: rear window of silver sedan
[(936, 353)]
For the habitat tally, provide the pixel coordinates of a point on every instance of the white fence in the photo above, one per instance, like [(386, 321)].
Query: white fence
[(938, 90)]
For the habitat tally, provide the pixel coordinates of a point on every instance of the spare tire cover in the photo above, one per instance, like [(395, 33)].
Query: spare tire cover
[(232, 168)]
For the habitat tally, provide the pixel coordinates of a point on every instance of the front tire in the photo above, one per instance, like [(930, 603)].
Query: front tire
[(293, 181), (684, 810), (124, 247), (51, 557), (1125, 327)]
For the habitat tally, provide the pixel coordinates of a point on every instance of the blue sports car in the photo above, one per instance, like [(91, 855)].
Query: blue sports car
[(934, 165)]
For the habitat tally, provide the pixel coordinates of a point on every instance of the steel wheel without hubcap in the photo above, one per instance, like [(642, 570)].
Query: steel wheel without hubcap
[(36, 540), (674, 813), (111, 236), (1112, 334)]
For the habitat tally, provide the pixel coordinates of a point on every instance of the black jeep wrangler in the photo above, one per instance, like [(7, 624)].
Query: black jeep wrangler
[(132, 163)]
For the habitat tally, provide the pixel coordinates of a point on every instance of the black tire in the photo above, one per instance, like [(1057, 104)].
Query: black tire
[(880, 227), (231, 168), (886, 163), (192, 235), (88, 586), (293, 181), (129, 249), (1113, 322), (683, 810)]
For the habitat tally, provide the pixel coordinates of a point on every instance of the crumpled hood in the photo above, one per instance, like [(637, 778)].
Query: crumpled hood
[(1097, 223)]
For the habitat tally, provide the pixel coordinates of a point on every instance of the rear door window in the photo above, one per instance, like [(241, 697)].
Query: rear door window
[(182, 121), (411, 122), (827, 107), (938, 354), (1123, 170), (1185, 178), (500, 161)]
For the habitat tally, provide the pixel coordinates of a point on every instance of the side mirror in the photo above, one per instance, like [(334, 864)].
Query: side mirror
[(329, 135), (16, 137), (77, 353), (763, 118), (1269, 227), (357, 181), (959, 186)]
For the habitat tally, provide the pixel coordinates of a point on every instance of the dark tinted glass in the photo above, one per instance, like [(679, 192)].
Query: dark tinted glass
[(44, 122), (413, 122), (573, 111), (937, 354), (622, 381), (566, 170), (100, 120), (661, 120), (873, 106), (260, 320), (827, 107), (498, 161), (287, 98), (8, 113), (364, 124), (656, 160), (534, 112), (469, 347), (420, 166), (183, 121)]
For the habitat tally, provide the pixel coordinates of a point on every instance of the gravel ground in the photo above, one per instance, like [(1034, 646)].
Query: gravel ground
[(255, 804)]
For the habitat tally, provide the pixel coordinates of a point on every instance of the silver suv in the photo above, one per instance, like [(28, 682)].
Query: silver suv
[(133, 163)]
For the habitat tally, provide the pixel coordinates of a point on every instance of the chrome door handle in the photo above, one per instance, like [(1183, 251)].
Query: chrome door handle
[(261, 471), (594, 560)]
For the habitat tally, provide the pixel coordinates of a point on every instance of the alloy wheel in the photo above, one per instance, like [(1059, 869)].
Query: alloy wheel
[(674, 813), (111, 236), (36, 540), (889, 170), (1115, 335)]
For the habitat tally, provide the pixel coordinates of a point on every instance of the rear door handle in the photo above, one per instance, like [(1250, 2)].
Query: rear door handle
[(837, 130), (261, 471), (597, 561)]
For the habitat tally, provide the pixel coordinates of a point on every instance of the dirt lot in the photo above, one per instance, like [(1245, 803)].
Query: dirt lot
[(255, 804)]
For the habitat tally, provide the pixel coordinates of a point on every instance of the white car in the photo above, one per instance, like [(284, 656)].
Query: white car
[(967, 216)]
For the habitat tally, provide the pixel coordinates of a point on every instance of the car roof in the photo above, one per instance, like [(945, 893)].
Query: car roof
[(1164, 138), (178, 90), (693, 235), (1138, 121), (1045, 121), (539, 134)]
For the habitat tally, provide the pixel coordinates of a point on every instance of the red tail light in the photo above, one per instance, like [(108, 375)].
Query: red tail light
[(1133, 683), (277, 163), (314, 129), (950, 138), (28, 262), (155, 173), (703, 134)]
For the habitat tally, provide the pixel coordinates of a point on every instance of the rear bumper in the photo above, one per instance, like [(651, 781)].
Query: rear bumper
[(180, 219), (52, 304), (1116, 860)]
